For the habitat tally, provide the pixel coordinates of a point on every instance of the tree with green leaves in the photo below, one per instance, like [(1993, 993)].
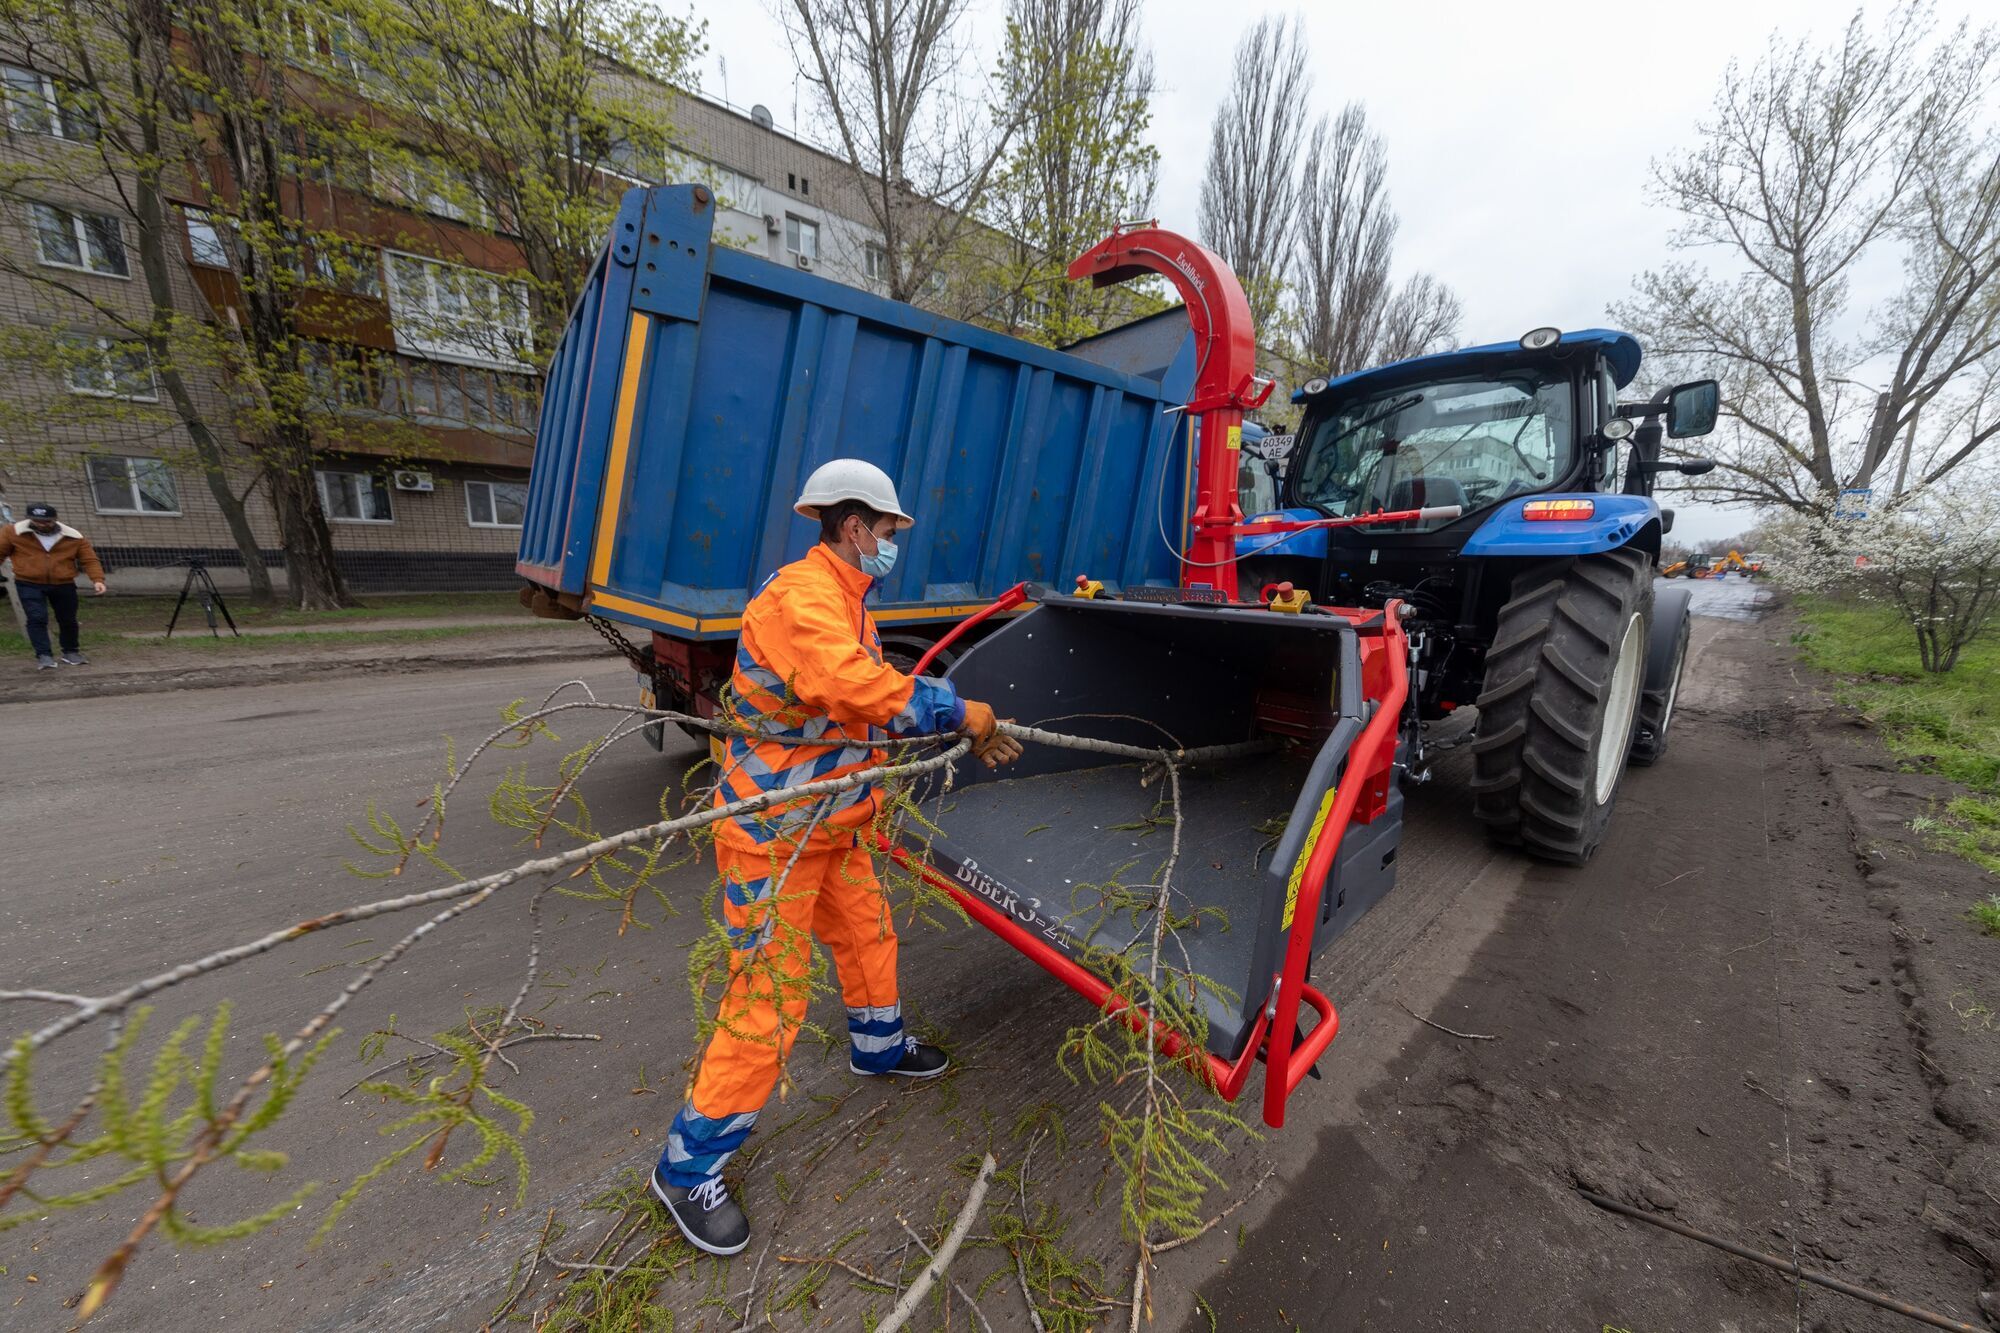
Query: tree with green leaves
[(1080, 165), (535, 117), (105, 136)]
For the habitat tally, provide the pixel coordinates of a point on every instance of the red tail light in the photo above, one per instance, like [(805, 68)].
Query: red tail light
[(1556, 511)]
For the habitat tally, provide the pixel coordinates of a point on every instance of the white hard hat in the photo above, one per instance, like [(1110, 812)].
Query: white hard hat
[(851, 479)]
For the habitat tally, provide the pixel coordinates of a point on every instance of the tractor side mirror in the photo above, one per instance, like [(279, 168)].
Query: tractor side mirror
[(1692, 409), (1687, 467)]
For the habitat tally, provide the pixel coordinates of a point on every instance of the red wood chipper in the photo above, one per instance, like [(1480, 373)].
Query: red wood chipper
[(1285, 843)]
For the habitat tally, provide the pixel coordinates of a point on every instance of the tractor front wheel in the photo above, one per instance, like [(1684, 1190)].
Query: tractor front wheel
[(1562, 689)]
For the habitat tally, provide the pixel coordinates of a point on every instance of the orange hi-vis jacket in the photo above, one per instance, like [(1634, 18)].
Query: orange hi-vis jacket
[(810, 677)]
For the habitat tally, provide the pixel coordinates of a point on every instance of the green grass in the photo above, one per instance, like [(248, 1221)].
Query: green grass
[(113, 651), (1949, 724), (1986, 916), (115, 613)]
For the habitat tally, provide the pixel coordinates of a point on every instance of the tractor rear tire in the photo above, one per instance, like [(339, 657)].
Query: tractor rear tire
[(1664, 662), (1561, 697)]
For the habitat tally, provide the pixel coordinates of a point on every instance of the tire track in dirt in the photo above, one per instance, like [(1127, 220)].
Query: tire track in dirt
[(1704, 1022)]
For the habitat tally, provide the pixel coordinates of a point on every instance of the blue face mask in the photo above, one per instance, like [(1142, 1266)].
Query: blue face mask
[(879, 564)]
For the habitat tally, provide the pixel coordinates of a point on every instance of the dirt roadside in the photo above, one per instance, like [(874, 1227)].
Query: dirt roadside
[(1766, 1020)]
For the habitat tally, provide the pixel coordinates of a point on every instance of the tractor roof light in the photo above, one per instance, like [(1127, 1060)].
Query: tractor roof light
[(1540, 340), (1558, 511), (1617, 428), (1315, 385)]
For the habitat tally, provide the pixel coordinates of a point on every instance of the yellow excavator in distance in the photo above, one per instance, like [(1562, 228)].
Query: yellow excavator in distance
[(1700, 566)]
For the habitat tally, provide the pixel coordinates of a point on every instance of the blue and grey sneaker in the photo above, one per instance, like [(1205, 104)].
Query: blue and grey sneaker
[(919, 1061), (44, 662), (75, 658), (706, 1215)]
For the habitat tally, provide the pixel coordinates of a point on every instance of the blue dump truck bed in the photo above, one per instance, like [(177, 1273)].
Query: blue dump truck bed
[(697, 386)]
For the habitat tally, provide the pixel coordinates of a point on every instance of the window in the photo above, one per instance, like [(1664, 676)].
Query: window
[(876, 260), (354, 497), (104, 367), (1471, 442), (937, 283), (613, 148), (327, 163), (733, 189), (132, 486), (313, 37), (432, 186), (456, 313), (801, 237), (38, 104), (495, 504), (87, 241), (342, 376), (1607, 406), (205, 241), (513, 406), (343, 267)]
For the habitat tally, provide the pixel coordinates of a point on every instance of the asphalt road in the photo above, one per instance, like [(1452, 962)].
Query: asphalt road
[(1425, 1182)]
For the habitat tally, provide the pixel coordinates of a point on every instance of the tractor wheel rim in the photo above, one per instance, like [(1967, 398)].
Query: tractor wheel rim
[(1621, 708)]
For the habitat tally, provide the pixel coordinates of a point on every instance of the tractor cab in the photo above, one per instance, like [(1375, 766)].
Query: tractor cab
[(1512, 454)]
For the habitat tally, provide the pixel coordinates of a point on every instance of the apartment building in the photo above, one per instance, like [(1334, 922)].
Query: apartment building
[(423, 461), (421, 469)]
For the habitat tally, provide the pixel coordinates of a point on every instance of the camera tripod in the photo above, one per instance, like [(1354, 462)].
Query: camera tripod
[(202, 587)]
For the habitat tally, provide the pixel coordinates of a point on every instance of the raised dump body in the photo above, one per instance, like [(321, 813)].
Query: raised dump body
[(697, 386)]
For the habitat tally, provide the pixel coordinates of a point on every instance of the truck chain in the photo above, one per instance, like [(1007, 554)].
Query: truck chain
[(640, 660)]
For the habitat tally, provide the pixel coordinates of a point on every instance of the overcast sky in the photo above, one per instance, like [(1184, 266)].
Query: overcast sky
[(1519, 136)]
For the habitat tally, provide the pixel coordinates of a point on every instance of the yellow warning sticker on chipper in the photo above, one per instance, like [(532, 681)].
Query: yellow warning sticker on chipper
[(1235, 437), (1305, 856)]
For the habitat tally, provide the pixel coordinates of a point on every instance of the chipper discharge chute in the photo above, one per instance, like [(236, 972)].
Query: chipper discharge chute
[(1286, 719)]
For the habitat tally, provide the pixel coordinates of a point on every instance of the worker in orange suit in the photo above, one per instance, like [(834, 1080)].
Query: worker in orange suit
[(811, 680)]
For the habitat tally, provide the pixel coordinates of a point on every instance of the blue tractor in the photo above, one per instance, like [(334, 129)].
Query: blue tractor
[(1536, 603)]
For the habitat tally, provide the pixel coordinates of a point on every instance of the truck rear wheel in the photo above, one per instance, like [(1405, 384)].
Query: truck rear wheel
[(1562, 689)]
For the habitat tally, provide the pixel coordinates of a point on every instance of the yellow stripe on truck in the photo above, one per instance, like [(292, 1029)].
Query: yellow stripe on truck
[(1305, 857), (621, 446)]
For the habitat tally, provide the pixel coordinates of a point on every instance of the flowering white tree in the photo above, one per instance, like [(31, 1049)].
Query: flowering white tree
[(1934, 558)]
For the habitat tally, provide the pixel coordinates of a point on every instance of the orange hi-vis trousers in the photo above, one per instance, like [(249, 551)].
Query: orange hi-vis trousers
[(831, 892)]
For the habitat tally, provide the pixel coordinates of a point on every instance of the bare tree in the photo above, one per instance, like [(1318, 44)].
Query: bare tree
[(1079, 166), (1815, 160), (1346, 234), (1249, 194), (1421, 317), (888, 75)]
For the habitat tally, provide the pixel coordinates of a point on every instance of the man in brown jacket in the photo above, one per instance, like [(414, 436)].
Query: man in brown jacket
[(46, 555)]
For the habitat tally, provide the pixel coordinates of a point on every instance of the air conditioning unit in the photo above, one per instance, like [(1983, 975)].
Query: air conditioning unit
[(771, 223), (410, 480), (802, 261)]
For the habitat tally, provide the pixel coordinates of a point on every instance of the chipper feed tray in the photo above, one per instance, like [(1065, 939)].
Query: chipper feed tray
[(1060, 852)]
